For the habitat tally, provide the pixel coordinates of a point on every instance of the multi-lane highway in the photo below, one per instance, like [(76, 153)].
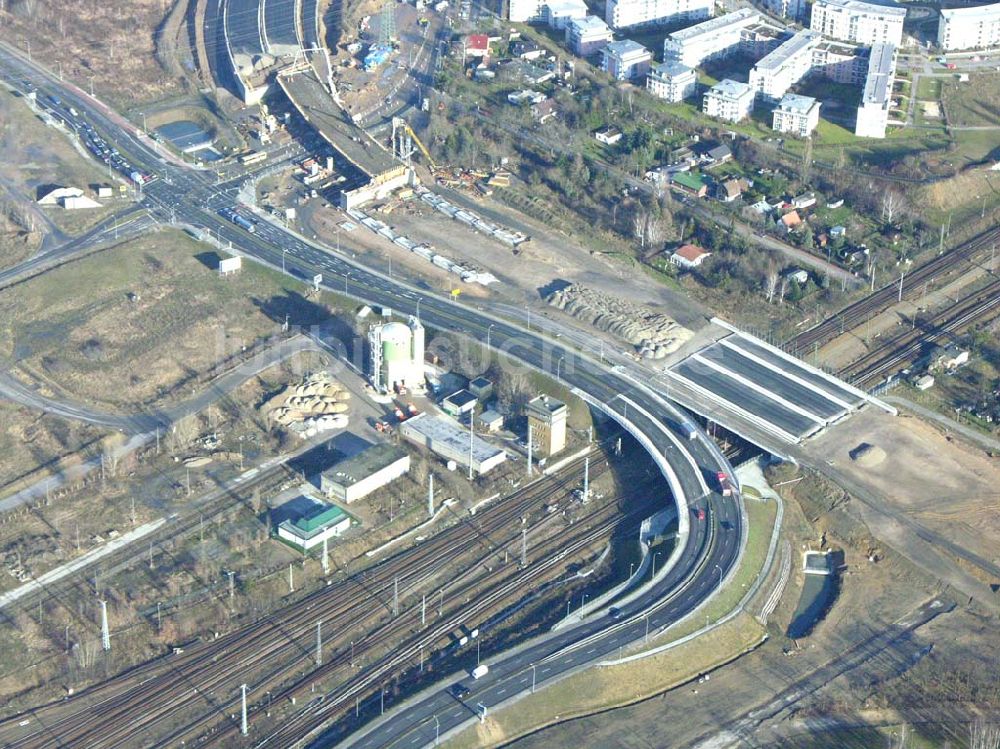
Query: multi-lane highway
[(712, 525)]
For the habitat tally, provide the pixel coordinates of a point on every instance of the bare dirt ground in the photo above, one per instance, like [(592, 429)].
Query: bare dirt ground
[(940, 482), (143, 322), (113, 42)]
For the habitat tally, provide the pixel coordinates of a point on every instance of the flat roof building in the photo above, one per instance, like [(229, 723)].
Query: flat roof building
[(672, 81), (358, 476), (873, 112), (547, 424), (728, 100), (626, 60), (711, 39), (969, 28), (773, 75), (309, 521), (859, 22), (798, 115), (559, 13), (623, 14), (459, 402), (587, 36), (450, 440)]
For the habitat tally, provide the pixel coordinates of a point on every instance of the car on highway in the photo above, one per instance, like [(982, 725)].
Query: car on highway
[(459, 691), (700, 513), (615, 613)]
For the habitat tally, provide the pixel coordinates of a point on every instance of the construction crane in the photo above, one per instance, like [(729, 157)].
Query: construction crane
[(401, 128)]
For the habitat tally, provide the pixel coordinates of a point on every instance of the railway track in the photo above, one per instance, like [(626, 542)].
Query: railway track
[(914, 284), (161, 690), (906, 346)]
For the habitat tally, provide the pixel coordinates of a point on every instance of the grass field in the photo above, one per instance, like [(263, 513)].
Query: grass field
[(45, 158), (976, 103), (142, 322), (611, 686)]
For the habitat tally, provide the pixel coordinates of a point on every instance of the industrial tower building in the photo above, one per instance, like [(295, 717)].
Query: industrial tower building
[(397, 356)]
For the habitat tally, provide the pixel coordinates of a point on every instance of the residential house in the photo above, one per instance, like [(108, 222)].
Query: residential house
[(477, 45), (790, 221), (525, 49), (608, 135), (689, 183), (544, 111), (719, 154), (805, 200), (689, 256), (730, 190), (799, 275)]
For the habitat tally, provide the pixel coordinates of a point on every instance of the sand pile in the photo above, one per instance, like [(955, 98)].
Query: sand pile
[(319, 400), (868, 456)]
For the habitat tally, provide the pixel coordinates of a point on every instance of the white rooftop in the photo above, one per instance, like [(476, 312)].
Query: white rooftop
[(742, 17), (624, 47), (796, 103), (803, 40), (887, 9), (731, 88), (880, 64), (671, 69), (565, 7), (983, 12), (589, 24)]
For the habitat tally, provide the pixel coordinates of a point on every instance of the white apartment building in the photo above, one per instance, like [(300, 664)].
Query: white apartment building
[(855, 21), (623, 14), (526, 11), (873, 113), (798, 115), (773, 75), (728, 100), (840, 62), (672, 81), (559, 13), (626, 60), (969, 28), (587, 36), (793, 9), (716, 37)]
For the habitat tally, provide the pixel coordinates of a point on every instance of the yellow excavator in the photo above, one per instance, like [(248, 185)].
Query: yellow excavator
[(398, 123)]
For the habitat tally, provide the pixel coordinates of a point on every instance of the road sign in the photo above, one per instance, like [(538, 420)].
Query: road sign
[(230, 265), (317, 280), (456, 292)]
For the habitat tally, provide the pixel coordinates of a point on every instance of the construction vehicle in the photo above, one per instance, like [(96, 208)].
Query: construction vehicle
[(401, 125)]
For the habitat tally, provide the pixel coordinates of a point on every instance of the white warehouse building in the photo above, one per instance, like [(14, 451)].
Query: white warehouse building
[(798, 115), (672, 81), (728, 100), (709, 39), (855, 21), (969, 28), (397, 356), (623, 14), (873, 113), (778, 71)]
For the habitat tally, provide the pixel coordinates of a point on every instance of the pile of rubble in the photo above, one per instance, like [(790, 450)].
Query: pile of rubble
[(653, 334), (316, 404)]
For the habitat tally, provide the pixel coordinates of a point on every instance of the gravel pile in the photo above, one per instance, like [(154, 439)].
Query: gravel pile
[(654, 334)]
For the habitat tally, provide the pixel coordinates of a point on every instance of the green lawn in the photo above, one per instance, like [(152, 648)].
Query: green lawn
[(929, 88)]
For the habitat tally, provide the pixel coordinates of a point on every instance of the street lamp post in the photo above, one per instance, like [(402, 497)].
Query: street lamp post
[(654, 563), (719, 568), (283, 253), (559, 364), (532, 678), (419, 299), (490, 328), (437, 731)]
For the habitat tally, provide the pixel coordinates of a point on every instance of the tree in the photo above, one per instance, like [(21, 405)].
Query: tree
[(893, 204), (771, 284), (639, 219)]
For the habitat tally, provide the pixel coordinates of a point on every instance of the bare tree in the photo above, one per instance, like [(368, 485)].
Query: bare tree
[(893, 203), (771, 284), (984, 735), (659, 227), (639, 226)]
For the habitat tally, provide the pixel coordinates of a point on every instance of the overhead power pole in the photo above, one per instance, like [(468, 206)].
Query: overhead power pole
[(325, 560), (530, 446), (244, 727), (430, 495), (524, 547), (395, 596), (319, 643), (586, 480), (105, 631)]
